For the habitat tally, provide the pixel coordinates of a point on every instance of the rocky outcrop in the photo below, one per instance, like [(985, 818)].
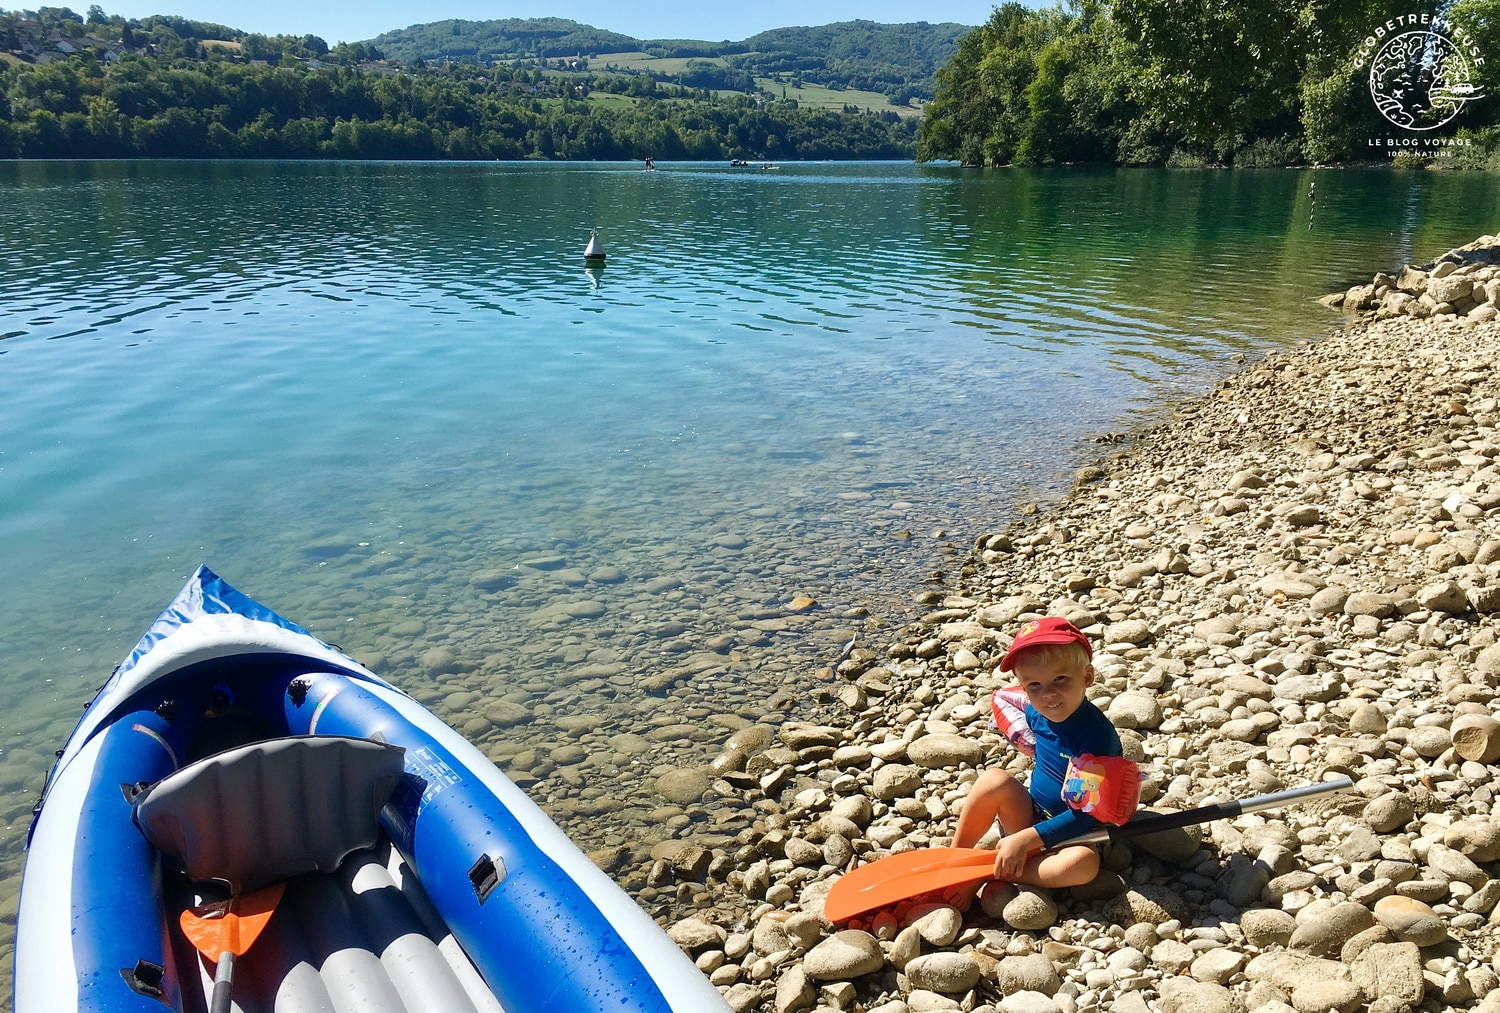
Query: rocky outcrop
[(1462, 283)]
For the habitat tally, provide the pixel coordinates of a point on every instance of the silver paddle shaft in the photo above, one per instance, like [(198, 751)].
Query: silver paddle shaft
[(1158, 822)]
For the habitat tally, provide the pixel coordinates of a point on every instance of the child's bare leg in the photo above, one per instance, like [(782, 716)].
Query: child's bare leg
[(995, 795), (1069, 865)]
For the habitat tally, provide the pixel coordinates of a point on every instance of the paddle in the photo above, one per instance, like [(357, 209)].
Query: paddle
[(900, 877), (227, 929)]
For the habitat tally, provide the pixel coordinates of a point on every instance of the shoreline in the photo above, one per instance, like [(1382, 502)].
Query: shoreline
[(1291, 577)]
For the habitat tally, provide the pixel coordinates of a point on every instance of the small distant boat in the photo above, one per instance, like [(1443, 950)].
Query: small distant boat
[(650, 166), (738, 163), (594, 252), (768, 165)]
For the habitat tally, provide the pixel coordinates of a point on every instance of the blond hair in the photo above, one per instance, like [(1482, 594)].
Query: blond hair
[(1074, 655)]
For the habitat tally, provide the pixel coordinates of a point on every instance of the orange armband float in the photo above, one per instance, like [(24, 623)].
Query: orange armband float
[(1108, 788)]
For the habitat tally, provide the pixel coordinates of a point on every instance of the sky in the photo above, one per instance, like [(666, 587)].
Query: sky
[(711, 20)]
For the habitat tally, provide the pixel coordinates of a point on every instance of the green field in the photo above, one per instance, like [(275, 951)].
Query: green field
[(611, 101), (815, 96), (645, 61)]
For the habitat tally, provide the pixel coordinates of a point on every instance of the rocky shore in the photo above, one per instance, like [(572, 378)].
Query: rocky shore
[(1289, 579)]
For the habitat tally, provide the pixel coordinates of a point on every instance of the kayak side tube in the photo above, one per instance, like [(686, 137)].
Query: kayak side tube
[(90, 912), (545, 927)]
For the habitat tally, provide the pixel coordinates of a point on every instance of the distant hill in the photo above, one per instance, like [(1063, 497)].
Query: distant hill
[(485, 42), (899, 61)]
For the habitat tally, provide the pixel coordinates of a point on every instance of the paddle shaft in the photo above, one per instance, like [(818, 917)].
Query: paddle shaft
[(1158, 822), (223, 984)]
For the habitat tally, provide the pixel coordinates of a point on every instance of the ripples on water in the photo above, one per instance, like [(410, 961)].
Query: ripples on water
[(353, 387)]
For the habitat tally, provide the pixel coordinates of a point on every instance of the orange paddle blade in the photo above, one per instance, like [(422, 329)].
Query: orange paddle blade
[(899, 877), (231, 926)]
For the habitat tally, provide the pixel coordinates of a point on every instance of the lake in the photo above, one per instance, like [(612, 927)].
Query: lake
[(390, 401)]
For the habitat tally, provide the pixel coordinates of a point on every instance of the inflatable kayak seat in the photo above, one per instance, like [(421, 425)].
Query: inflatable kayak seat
[(262, 813)]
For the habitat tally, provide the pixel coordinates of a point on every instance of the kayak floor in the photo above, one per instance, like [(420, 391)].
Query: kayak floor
[(364, 938)]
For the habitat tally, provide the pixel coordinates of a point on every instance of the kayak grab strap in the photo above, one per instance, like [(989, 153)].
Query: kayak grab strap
[(262, 813)]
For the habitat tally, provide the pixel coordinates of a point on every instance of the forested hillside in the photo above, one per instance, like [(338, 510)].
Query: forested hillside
[(898, 61), (1159, 82), (104, 86)]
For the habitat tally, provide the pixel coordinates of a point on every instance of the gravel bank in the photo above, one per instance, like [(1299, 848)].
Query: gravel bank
[(1293, 577)]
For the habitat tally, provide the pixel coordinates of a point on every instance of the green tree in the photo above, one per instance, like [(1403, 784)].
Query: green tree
[(1478, 31), (105, 126)]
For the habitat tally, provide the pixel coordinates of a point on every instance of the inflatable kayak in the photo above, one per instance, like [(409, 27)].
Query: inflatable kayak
[(232, 756)]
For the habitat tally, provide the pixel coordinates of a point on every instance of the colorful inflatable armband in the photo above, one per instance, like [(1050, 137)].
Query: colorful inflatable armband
[(1009, 706), (1108, 788)]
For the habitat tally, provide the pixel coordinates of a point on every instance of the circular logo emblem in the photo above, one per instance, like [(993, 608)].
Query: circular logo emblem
[(1420, 80)]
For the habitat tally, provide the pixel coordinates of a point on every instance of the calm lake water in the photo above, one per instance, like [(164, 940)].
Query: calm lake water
[(389, 401)]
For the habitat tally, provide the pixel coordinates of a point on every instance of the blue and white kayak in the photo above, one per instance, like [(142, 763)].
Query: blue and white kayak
[(231, 750)]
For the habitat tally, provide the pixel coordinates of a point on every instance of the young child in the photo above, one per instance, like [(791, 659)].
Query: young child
[(1052, 661)]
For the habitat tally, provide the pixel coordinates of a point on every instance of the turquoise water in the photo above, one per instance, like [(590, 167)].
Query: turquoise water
[(390, 401)]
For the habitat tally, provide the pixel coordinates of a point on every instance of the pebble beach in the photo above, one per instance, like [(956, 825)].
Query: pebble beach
[(1291, 578)]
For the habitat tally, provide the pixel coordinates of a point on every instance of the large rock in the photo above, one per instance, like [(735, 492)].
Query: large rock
[(1454, 867), (1217, 966), (938, 926), (1449, 289), (844, 956), (1390, 811), (1031, 972), (1476, 737), (1323, 930), (684, 784), (1476, 838), (897, 780), (1146, 903), (1369, 603), (1030, 911), (1266, 927), (941, 750), (1135, 709), (770, 935), (1173, 846), (946, 972), (1287, 969), (1328, 997), (1314, 687), (695, 934), (1027, 1002), (801, 736), (1184, 995), (1488, 662), (793, 992), (1128, 631), (1410, 920), (1391, 969)]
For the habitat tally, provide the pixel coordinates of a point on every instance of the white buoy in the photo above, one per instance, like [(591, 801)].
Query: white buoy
[(595, 250)]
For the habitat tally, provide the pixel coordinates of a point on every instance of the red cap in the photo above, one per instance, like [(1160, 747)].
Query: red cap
[(1051, 630)]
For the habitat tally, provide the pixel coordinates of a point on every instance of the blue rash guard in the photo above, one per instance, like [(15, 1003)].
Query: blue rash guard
[(1086, 730)]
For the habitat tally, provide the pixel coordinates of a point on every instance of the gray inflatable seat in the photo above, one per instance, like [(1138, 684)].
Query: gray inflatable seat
[(271, 810)]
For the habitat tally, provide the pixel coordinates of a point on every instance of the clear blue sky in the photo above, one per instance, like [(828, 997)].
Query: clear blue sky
[(713, 20)]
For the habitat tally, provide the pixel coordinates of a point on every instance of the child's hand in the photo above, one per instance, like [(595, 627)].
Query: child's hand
[(1010, 857)]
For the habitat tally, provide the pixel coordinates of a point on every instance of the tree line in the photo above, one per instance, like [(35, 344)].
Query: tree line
[(188, 98), (1160, 82)]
